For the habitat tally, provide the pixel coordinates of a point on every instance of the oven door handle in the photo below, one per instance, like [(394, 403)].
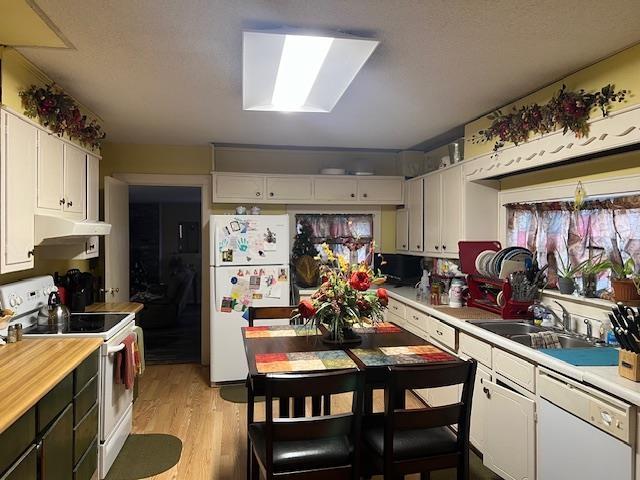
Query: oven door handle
[(117, 348)]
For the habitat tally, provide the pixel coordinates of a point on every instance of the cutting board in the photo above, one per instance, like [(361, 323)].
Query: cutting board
[(585, 357)]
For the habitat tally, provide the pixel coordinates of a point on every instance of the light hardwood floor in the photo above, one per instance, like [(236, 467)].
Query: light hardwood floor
[(177, 399)]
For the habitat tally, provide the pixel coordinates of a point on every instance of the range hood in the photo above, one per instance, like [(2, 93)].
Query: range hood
[(50, 230)]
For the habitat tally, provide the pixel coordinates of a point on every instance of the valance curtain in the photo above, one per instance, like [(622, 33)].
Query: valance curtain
[(609, 228), (337, 230)]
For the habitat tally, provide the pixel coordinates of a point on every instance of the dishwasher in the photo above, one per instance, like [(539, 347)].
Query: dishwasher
[(582, 433)]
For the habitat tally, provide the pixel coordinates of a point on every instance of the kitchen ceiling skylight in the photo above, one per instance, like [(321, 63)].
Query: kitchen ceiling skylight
[(289, 72)]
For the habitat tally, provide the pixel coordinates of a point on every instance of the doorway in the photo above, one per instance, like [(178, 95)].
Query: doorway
[(165, 274)]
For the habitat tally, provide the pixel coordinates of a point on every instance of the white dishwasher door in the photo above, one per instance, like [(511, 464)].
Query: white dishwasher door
[(570, 448)]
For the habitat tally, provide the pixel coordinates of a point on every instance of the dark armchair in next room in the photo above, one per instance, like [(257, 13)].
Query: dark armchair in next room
[(164, 311)]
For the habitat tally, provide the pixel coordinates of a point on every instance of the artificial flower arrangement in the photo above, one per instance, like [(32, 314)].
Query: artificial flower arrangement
[(59, 112), (344, 298), (567, 110)]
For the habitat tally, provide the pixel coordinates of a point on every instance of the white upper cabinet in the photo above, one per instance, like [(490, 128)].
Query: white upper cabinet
[(50, 192), (75, 181), (432, 214), (415, 205), (380, 190), (237, 187), (289, 188), (335, 189), (450, 224), (402, 229), (306, 189), (62, 177), (19, 141), (455, 210)]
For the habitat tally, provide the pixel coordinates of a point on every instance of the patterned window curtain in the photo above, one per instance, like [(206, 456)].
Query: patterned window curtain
[(609, 229), (341, 232)]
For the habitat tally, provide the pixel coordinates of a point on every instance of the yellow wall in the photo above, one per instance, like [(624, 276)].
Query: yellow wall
[(196, 160), (17, 73), (620, 69)]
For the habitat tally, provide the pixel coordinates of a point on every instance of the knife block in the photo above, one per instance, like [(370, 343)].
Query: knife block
[(629, 365)]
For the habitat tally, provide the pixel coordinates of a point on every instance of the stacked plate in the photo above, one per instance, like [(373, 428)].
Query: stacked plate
[(499, 264)]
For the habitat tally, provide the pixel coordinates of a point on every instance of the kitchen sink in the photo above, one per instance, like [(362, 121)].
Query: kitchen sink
[(566, 341), (508, 329), (518, 332)]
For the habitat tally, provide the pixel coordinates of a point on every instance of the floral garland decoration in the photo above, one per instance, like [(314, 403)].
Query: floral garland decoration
[(567, 110), (59, 112)]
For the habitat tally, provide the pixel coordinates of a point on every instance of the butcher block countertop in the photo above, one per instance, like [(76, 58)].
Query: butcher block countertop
[(122, 307), (30, 368)]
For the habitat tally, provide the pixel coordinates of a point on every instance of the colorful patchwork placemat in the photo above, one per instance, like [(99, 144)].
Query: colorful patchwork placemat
[(378, 327), (303, 361), (401, 355), (281, 331)]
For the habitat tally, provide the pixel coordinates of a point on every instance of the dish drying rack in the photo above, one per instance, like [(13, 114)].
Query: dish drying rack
[(484, 291)]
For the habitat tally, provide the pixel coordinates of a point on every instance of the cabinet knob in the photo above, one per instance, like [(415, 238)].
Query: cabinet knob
[(69, 204), (487, 392), (403, 245), (418, 247), (437, 247), (353, 195), (444, 247), (258, 194), (91, 246), (364, 195), (271, 194), (31, 253), (62, 201)]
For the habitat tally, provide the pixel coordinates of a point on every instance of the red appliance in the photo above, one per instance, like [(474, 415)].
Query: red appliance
[(483, 291)]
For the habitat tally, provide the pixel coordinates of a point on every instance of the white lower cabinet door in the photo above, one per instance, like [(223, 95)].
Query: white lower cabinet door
[(509, 436), (397, 319), (479, 409)]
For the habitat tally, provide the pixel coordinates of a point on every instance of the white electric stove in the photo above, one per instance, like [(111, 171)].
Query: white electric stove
[(26, 298)]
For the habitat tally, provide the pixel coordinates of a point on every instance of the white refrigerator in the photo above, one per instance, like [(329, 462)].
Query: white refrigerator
[(249, 267)]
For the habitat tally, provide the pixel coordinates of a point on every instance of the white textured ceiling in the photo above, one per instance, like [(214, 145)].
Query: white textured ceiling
[(161, 71)]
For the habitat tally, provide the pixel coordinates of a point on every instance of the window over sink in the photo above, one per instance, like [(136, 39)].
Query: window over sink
[(556, 232)]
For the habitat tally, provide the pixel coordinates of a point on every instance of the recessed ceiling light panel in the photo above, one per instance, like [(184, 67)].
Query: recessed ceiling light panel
[(289, 72)]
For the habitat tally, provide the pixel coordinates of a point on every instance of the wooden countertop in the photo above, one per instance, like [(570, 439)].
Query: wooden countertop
[(125, 307), (30, 368)]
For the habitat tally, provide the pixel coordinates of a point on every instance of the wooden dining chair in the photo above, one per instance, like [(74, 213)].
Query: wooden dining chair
[(316, 447), (277, 313), (421, 440)]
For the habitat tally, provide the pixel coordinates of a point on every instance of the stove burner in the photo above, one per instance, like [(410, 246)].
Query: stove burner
[(81, 323)]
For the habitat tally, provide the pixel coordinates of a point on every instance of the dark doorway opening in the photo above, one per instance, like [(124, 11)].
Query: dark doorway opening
[(166, 270)]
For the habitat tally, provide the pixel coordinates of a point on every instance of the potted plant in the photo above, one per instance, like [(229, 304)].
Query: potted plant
[(344, 299), (567, 273), (590, 270), (625, 281)]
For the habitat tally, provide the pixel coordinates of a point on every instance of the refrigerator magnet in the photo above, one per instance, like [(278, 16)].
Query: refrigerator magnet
[(257, 296), (282, 275), (226, 305), (235, 226), (234, 280), (254, 282), (227, 255)]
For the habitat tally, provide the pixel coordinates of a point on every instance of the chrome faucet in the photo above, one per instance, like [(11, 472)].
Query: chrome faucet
[(563, 323), (589, 329)]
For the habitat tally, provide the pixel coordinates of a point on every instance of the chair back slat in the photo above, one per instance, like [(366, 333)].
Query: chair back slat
[(308, 385), (428, 417), (270, 313), (311, 428), (430, 376)]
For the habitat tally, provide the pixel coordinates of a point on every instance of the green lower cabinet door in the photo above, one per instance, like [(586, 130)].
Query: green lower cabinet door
[(26, 468), (85, 433), (16, 439), (56, 448), (88, 464)]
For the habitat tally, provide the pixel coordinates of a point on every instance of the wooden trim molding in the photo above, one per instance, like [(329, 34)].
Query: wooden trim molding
[(619, 129)]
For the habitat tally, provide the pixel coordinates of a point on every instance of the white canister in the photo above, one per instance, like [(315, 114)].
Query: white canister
[(456, 292)]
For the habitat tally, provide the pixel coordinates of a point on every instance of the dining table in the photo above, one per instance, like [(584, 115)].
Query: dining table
[(300, 349)]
